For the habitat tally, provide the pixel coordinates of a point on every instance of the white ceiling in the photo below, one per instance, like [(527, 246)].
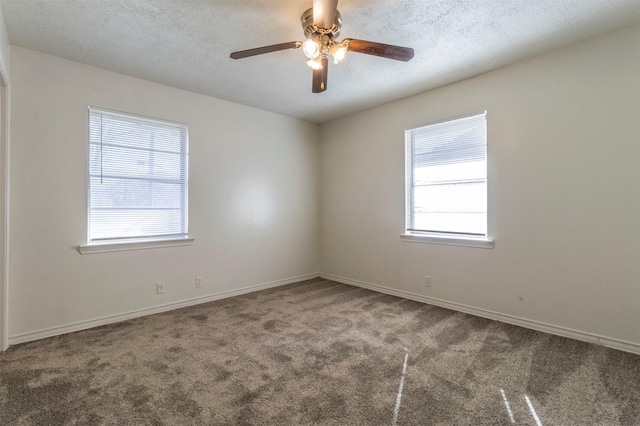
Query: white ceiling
[(186, 44)]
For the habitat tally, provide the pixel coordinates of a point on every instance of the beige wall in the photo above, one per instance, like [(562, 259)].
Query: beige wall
[(253, 199), (564, 194)]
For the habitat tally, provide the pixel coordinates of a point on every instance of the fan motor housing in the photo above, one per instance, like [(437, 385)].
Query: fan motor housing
[(312, 31)]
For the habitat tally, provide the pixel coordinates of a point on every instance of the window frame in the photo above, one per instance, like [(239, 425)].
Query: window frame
[(439, 237), (119, 243)]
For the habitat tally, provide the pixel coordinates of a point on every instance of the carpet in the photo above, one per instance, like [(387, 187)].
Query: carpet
[(316, 352)]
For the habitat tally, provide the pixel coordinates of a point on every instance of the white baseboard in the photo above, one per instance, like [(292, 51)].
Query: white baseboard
[(510, 319), (83, 325), (484, 313)]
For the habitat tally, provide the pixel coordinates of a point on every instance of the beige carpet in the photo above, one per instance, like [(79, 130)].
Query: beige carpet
[(316, 352)]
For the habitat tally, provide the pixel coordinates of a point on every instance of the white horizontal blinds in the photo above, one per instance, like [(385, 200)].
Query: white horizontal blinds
[(447, 177), (137, 177)]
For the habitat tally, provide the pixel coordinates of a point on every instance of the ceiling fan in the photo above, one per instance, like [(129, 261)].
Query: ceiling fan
[(321, 25)]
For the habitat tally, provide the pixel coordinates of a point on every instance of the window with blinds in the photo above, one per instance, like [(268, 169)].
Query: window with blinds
[(138, 178), (446, 178)]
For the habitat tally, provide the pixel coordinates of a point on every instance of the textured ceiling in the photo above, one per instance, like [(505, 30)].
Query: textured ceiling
[(186, 44)]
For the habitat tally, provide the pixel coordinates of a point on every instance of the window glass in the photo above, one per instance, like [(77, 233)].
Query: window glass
[(446, 177), (138, 178)]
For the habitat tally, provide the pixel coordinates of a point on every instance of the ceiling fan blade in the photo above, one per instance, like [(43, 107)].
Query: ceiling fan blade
[(324, 13), (320, 77), (265, 49), (380, 49)]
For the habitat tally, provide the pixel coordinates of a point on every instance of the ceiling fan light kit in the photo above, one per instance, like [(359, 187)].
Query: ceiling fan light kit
[(315, 64), (339, 51), (311, 49), (321, 25)]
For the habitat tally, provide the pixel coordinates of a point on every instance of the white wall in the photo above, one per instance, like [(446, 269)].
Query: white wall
[(4, 147), (4, 50), (564, 193), (253, 199), (564, 196)]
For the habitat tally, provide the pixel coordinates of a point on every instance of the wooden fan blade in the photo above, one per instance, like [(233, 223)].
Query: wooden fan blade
[(389, 51), (324, 13), (319, 83), (265, 49)]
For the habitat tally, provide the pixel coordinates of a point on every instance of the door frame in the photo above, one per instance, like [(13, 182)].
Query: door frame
[(4, 207)]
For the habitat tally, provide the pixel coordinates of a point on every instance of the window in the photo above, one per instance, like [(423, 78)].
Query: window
[(446, 179), (138, 178)]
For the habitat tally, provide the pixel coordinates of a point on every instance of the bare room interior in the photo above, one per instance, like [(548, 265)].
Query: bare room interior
[(309, 245)]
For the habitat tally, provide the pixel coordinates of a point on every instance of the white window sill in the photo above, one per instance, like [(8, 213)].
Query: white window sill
[(134, 245), (449, 240)]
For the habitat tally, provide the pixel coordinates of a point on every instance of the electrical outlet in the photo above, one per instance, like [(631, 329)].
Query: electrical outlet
[(198, 282), (159, 287), (427, 280)]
